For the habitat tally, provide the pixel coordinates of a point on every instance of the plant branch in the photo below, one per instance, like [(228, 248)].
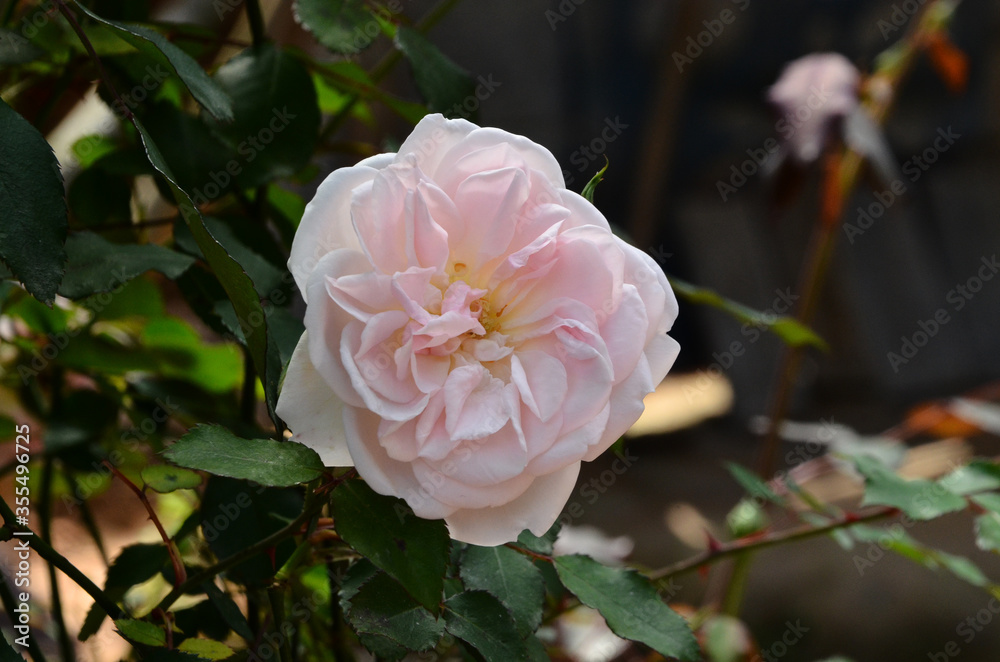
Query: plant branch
[(45, 550), (745, 545), (65, 11), (310, 508), (256, 19), (62, 633), (180, 575), (843, 171)]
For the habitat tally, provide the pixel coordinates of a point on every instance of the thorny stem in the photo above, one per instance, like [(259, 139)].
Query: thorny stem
[(53, 557), (311, 507), (180, 575), (752, 544)]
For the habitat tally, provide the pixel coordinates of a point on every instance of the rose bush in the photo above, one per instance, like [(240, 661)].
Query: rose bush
[(473, 329)]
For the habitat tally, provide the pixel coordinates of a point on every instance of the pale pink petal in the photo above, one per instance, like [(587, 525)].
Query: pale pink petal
[(535, 156), (474, 403), (573, 445), (382, 473), (624, 332), (446, 486), (535, 510), (541, 380), (312, 410), (432, 138), (325, 322), (326, 224)]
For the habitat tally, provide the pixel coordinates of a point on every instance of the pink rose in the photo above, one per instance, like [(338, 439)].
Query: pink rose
[(813, 94), (473, 329)]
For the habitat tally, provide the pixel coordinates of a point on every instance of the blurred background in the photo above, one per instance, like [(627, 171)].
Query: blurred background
[(596, 78), (571, 70)]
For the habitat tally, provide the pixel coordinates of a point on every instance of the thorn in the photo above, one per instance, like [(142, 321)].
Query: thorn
[(270, 554), (713, 544)]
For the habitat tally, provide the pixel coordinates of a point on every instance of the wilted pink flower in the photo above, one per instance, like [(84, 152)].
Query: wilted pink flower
[(473, 329), (813, 94)]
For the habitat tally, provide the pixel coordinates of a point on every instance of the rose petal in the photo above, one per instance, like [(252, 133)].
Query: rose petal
[(312, 410), (535, 510), (326, 223)]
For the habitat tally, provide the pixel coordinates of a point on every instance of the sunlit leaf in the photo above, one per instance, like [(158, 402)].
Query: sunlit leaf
[(218, 451)]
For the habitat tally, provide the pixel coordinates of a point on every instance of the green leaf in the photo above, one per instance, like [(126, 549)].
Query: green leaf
[(976, 476), (382, 607), (96, 265), (7, 652), (277, 114), (897, 540), (988, 532), (629, 604), (134, 565), (236, 514), (267, 278), (510, 577), (540, 544), (443, 84), (480, 620), (182, 354), (412, 550), (753, 484), (154, 44), (919, 499), (32, 208), (340, 25), (726, 639), (141, 632), (91, 148), (228, 610), (591, 187), (989, 501), (218, 451), (163, 479), (234, 280), (15, 49), (353, 80), (206, 649), (792, 332), (197, 156)]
